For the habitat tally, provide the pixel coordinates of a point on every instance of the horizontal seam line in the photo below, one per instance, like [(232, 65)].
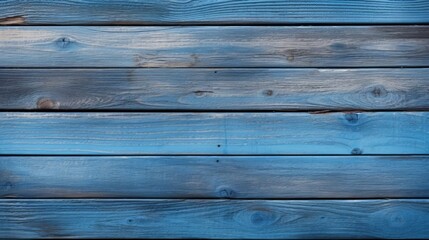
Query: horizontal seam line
[(221, 24), (214, 155)]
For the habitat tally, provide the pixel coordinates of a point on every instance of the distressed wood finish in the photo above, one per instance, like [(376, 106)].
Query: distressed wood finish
[(215, 177), (223, 219), (215, 89), (242, 46), (214, 133), (211, 12)]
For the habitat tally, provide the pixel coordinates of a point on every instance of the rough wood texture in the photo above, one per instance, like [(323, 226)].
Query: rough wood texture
[(146, 12), (214, 219), (215, 177), (356, 46), (215, 89), (214, 133)]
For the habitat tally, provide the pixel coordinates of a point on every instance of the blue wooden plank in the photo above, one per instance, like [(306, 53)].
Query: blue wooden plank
[(215, 89), (148, 12), (232, 46), (215, 177), (214, 133), (219, 219)]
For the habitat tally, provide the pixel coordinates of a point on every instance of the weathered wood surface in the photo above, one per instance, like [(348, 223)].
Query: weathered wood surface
[(147, 12), (232, 46), (214, 133), (215, 89), (262, 219), (215, 177)]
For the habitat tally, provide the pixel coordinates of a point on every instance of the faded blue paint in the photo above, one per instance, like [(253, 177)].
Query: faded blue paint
[(215, 46), (204, 133), (225, 219), (239, 177), (116, 84)]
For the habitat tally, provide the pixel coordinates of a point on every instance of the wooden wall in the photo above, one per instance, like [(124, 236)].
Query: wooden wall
[(221, 119)]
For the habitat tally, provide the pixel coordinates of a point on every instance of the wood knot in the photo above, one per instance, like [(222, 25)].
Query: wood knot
[(225, 192), (46, 103), (262, 218), (378, 91), (356, 151), (257, 217), (268, 92), (339, 46), (200, 93), (352, 117), (63, 42)]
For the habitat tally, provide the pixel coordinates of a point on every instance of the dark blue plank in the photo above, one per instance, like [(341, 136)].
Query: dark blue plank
[(96, 12), (214, 133), (215, 177), (220, 219), (232, 46), (215, 89)]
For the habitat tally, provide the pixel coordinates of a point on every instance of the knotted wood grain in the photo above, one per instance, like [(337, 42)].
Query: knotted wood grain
[(233, 46), (218, 219), (214, 133), (215, 89), (239, 177)]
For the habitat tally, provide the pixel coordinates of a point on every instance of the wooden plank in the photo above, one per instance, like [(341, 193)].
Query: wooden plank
[(233, 46), (215, 177), (220, 219), (215, 89), (148, 12), (214, 133)]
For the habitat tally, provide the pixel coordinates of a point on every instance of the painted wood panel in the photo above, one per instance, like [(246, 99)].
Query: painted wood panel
[(224, 219), (214, 133), (215, 177), (215, 89), (80, 12), (231, 46)]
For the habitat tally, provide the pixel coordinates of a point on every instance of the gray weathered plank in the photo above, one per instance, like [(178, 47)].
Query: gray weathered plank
[(252, 219), (215, 177), (215, 89), (233, 46), (214, 133), (212, 12)]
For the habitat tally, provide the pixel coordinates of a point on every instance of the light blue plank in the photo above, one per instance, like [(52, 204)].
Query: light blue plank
[(215, 89), (233, 46), (225, 219), (215, 177), (214, 133), (212, 12)]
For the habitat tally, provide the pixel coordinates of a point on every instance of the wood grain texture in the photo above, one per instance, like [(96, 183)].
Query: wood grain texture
[(233, 46), (215, 89), (215, 177), (214, 133), (246, 219), (96, 12)]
